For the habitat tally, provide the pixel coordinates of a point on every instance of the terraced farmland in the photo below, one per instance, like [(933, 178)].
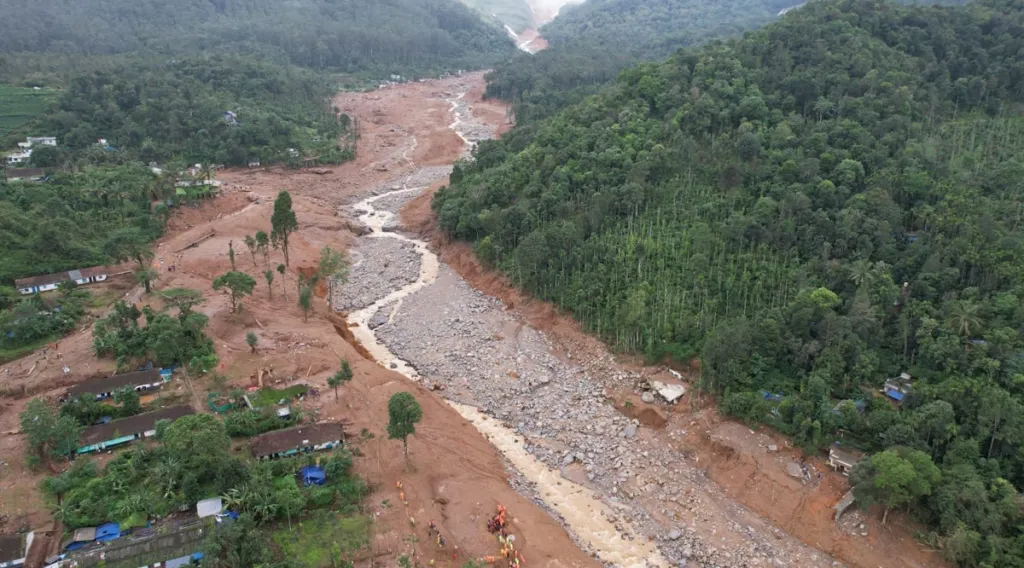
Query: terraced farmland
[(19, 105)]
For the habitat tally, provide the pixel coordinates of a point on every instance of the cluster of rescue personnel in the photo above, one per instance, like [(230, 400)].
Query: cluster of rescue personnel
[(496, 525)]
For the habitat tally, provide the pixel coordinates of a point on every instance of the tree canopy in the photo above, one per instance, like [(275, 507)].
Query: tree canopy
[(395, 36), (813, 209), (226, 109)]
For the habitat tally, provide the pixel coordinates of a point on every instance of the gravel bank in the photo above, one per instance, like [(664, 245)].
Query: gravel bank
[(378, 266)]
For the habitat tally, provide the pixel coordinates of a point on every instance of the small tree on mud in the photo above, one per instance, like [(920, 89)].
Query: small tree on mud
[(263, 246), (305, 301), (239, 284), (403, 415), (284, 285), (269, 276), (344, 375), (250, 243)]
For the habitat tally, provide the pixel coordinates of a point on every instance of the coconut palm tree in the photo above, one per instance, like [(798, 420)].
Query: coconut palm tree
[(964, 316)]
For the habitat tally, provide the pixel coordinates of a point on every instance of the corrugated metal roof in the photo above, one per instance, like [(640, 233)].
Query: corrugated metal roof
[(114, 382), (86, 534), (58, 277), (132, 425), (291, 438)]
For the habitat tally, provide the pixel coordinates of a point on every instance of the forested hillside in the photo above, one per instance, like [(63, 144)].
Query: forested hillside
[(656, 28), (396, 36), (176, 111), (593, 41), (516, 14), (831, 201)]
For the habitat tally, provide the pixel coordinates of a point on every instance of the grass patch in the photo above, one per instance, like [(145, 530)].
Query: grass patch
[(20, 105), (322, 538), (10, 354), (267, 396)]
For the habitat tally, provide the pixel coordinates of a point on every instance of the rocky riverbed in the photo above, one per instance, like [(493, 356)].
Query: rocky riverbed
[(475, 352), (478, 353)]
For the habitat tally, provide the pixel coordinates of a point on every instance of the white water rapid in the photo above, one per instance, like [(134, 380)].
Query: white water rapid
[(583, 513)]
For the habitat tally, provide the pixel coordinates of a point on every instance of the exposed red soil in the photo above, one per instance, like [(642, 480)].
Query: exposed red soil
[(454, 476)]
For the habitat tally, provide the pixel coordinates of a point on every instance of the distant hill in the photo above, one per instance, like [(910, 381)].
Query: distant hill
[(515, 14), (655, 28), (347, 35), (591, 42)]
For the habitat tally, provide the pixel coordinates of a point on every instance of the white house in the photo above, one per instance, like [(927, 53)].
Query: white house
[(19, 157), (48, 282)]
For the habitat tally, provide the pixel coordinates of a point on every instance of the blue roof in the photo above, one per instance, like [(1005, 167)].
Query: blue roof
[(894, 394)]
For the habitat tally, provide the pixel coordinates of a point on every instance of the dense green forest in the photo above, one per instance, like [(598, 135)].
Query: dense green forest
[(655, 28), (177, 111), (65, 224), (593, 41), (394, 36), (816, 208)]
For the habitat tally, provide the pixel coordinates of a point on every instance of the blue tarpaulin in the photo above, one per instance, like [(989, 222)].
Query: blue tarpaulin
[(313, 475), (108, 531), (894, 394)]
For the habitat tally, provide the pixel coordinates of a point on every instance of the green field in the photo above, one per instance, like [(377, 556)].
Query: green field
[(19, 105)]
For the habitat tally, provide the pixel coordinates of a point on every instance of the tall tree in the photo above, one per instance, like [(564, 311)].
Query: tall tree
[(283, 223), (129, 243), (49, 435), (894, 477), (231, 254), (403, 415), (332, 267), (999, 417)]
